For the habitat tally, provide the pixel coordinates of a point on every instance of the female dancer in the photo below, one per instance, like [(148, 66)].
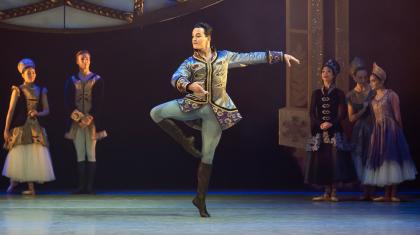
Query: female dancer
[(28, 159), (389, 161), (329, 160), (358, 101)]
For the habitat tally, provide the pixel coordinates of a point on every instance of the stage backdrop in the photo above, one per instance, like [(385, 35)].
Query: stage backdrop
[(137, 65)]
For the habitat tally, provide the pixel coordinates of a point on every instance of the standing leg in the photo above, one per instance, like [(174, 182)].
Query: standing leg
[(369, 192), (12, 186), (90, 177), (203, 180), (81, 171), (211, 133), (333, 196), (325, 197), (161, 114), (388, 192), (80, 146), (31, 189), (386, 197), (91, 165), (366, 193), (393, 194)]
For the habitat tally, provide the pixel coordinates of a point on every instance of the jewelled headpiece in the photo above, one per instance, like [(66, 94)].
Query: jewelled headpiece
[(379, 72), (24, 64), (333, 65)]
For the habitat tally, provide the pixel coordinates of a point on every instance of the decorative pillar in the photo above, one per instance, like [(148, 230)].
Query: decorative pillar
[(342, 51)]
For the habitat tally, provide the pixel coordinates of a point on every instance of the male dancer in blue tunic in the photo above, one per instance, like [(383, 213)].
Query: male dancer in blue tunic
[(206, 106)]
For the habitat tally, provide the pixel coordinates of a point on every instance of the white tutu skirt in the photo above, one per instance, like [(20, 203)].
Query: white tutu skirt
[(389, 173), (29, 163)]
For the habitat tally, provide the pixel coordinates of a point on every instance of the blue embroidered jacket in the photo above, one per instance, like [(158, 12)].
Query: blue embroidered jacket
[(213, 76)]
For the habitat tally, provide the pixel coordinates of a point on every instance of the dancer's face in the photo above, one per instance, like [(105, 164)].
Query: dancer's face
[(327, 75), (375, 83), (361, 77), (199, 39), (29, 75), (83, 61)]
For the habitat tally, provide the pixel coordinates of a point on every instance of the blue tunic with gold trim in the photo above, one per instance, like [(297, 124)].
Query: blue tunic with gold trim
[(213, 77)]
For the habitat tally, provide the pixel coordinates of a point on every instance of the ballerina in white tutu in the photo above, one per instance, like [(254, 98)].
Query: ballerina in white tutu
[(28, 159)]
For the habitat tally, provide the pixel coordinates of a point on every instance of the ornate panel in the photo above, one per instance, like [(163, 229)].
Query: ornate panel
[(304, 39)]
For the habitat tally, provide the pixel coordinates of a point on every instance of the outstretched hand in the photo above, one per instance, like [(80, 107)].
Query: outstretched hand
[(288, 58)]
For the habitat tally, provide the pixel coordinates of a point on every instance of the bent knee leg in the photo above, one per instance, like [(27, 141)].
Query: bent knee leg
[(155, 113)]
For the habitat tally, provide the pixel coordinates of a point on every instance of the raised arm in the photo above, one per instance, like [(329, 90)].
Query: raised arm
[(237, 60), (243, 59)]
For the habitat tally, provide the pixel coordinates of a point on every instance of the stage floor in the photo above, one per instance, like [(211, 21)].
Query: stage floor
[(237, 213)]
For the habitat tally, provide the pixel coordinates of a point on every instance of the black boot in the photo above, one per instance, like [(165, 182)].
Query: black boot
[(203, 178), (176, 133), (81, 171), (90, 177)]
